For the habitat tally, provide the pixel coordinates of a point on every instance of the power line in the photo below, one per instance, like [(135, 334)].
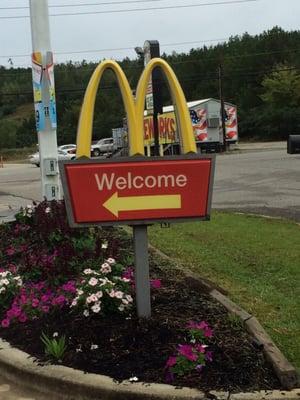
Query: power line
[(84, 5), (117, 49), (140, 9), (173, 63)]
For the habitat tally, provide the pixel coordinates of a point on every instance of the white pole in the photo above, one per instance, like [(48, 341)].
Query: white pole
[(44, 98)]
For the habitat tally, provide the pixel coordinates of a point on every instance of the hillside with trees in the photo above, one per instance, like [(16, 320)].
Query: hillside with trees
[(260, 75)]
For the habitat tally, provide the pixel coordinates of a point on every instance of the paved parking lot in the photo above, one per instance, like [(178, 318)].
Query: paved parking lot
[(263, 181)]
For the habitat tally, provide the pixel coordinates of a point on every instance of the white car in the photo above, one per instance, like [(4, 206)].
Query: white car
[(67, 147), (62, 155)]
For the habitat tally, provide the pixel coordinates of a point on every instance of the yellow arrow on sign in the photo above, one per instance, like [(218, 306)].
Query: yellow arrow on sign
[(116, 204)]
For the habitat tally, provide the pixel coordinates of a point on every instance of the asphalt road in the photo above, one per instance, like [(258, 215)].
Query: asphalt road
[(259, 181)]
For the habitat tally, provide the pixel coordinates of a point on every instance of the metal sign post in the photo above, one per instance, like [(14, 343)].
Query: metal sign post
[(44, 98), (142, 278)]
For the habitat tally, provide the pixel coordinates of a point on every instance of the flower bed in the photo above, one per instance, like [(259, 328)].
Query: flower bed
[(68, 296)]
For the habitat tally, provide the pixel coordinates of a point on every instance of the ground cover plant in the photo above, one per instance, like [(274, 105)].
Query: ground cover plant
[(67, 296), (257, 260)]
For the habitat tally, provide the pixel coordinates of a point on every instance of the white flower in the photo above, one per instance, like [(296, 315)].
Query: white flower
[(129, 298), (94, 346), (93, 281), (94, 297), (133, 379), (79, 292), (99, 294), (5, 281), (121, 307), (124, 301), (79, 349), (111, 260), (96, 308), (74, 303), (87, 271), (47, 210), (119, 294), (125, 280), (104, 245), (2, 289), (105, 268), (112, 293), (55, 334), (86, 313)]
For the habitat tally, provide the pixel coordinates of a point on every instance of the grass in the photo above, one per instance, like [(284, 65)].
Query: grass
[(257, 260)]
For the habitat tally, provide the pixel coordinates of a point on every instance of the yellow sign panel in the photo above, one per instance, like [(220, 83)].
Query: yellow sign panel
[(134, 108), (166, 128)]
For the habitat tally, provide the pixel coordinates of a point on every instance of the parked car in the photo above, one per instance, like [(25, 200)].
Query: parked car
[(67, 147), (105, 145), (62, 155)]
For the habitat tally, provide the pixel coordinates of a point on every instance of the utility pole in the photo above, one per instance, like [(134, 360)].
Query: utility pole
[(222, 112), (154, 97), (44, 98)]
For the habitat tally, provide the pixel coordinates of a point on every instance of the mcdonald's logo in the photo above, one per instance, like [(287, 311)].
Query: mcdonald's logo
[(136, 190), (134, 107)]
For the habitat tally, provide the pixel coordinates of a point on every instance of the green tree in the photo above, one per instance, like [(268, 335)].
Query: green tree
[(281, 98)]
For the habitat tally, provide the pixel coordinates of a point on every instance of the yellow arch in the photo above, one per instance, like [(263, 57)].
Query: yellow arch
[(134, 108), (85, 126), (188, 139)]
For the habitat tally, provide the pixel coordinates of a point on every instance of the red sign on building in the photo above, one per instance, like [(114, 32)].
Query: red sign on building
[(137, 191)]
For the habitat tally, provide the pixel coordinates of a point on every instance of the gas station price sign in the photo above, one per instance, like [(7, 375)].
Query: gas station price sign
[(138, 190)]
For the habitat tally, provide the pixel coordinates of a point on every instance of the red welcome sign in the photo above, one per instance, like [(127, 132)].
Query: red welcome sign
[(138, 190)]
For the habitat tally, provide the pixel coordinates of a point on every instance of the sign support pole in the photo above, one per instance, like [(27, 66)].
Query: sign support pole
[(142, 278), (44, 97)]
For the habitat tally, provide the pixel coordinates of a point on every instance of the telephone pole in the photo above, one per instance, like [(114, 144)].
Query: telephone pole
[(44, 98), (222, 111)]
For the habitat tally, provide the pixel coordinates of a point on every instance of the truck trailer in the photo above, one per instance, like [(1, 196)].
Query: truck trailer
[(207, 126)]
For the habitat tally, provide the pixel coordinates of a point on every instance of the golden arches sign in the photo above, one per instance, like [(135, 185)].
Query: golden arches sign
[(134, 108)]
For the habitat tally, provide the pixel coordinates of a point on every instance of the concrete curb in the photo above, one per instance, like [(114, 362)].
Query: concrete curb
[(55, 382)]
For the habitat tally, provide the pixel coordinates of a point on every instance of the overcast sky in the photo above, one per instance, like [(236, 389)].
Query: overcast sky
[(115, 34)]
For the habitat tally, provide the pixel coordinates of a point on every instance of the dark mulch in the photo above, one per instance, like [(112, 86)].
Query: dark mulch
[(129, 347)]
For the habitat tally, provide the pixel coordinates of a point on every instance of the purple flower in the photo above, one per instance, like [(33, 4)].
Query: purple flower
[(208, 356), (169, 377), (199, 367)]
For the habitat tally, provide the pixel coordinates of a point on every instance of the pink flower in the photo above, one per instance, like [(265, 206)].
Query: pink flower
[(208, 332), (23, 317), (5, 323), (45, 309), (35, 303), (10, 251), (186, 350), (155, 283), (200, 348), (171, 361)]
